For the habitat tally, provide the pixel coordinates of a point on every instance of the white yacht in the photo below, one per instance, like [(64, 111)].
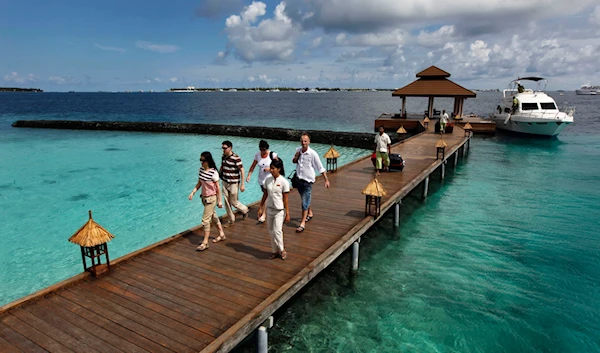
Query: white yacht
[(588, 90), (184, 90), (530, 111)]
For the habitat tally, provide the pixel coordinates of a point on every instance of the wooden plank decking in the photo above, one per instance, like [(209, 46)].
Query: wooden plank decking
[(170, 298)]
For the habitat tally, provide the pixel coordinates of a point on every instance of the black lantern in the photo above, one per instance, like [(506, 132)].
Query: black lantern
[(441, 149), (332, 155), (426, 122), (373, 193), (468, 129), (93, 239)]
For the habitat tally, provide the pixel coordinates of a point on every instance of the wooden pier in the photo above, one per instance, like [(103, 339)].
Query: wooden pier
[(413, 122), (169, 298)]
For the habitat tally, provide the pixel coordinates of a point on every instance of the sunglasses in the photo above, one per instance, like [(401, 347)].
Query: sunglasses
[(225, 147), (262, 148)]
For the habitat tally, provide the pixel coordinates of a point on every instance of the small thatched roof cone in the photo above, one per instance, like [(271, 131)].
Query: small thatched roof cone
[(374, 189), (332, 153), (468, 127), (401, 130), (441, 143), (91, 234), (426, 120)]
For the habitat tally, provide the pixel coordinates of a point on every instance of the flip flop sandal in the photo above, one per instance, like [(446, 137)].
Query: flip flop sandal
[(202, 247), (283, 255), (308, 218), (219, 238), (300, 229), (273, 255)]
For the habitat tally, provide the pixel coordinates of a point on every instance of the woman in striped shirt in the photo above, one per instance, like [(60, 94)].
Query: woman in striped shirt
[(208, 180)]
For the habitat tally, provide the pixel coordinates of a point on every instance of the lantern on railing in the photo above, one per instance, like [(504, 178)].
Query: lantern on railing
[(441, 149), (426, 122), (468, 129), (332, 155), (92, 239), (374, 191)]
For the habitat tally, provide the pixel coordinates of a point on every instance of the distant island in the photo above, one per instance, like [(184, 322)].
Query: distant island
[(276, 89), (16, 89)]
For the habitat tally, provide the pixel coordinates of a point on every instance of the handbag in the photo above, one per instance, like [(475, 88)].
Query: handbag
[(295, 180)]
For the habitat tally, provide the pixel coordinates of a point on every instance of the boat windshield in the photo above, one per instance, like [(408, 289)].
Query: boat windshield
[(529, 106), (548, 106)]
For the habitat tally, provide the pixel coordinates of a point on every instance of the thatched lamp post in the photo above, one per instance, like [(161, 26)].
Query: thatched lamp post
[(426, 122), (92, 239), (374, 191), (468, 128), (332, 155), (441, 149)]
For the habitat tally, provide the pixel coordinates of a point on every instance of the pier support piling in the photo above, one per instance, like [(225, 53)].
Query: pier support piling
[(397, 214), (425, 187), (262, 339), (455, 159), (443, 170), (355, 248)]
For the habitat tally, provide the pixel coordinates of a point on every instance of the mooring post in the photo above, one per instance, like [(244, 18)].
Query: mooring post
[(355, 255), (397, 214), (262, 339), (425, 187), (443, 169)]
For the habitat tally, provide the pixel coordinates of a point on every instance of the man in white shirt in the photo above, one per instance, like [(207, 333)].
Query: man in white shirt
[(382, 150), (443, 121), (307, 162)]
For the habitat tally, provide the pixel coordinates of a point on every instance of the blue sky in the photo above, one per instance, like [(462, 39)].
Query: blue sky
[(156, 45)]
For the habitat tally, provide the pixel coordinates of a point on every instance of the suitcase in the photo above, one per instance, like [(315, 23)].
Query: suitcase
[(396, 161)]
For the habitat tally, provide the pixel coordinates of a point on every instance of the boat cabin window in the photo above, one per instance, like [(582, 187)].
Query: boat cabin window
[(529, 106), (549, 105)]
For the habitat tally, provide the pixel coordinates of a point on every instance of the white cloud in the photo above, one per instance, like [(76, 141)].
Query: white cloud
[(388, 38), (159, 48), (16, 78), (61, 80), (367, 16), (173, 79), (595, 16), (102, 47), (272, 39), (435, 38)]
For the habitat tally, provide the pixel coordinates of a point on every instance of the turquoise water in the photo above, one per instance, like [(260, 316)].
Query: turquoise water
[(136, 184), (501, 257)]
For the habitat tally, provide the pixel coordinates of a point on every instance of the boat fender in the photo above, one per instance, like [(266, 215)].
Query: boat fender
[(507, 119)]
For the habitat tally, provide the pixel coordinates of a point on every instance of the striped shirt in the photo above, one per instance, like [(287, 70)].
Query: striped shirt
[(230, 168), (208, 179)]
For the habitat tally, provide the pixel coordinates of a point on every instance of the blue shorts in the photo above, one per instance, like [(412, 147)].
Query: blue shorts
[(305, 189)]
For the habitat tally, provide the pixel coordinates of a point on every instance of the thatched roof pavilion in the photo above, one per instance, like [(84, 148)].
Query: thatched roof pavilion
[(433, 82)]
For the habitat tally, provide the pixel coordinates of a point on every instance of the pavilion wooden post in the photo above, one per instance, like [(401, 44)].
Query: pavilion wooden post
[(430, 107), (403, 115)]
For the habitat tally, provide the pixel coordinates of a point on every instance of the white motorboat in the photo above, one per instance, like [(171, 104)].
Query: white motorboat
[(530, 111), (588, 90)]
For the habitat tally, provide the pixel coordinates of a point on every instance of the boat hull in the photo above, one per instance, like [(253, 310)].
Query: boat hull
[(530, 126), (585, 92)]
